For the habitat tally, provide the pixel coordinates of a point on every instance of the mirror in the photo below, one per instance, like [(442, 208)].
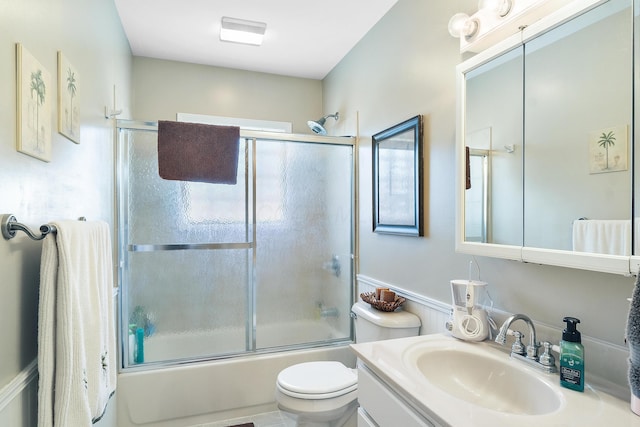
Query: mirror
[(577, 117), (397, 179), (635, 259), (544, 142), (493, 136)]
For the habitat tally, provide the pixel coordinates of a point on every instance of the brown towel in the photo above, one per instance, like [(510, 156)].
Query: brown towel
[(198, 152), (467, 168)]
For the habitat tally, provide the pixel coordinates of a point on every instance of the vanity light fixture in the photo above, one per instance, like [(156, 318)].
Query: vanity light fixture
[(496, 20), (242, 31)]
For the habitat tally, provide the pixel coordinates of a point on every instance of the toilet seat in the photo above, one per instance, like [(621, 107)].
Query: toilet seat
[(317, 380)]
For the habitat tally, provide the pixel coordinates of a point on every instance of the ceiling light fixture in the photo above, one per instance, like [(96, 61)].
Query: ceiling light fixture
[(242, 31)]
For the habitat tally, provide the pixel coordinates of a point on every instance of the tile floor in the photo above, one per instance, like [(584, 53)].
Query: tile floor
[(267, 419)]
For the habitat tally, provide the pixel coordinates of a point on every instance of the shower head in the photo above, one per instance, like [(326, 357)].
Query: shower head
[(318, 125)]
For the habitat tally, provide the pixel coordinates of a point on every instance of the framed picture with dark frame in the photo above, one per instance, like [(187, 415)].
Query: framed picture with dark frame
[(397, 179)]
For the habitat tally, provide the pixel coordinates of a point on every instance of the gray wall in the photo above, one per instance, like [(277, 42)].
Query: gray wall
[(164, 88), (405, 66), (77, 181)]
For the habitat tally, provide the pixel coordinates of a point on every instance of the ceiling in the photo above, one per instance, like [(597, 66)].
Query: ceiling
[(303, 38)]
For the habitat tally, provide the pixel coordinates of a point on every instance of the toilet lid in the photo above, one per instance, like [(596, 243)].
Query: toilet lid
[(317, 380)]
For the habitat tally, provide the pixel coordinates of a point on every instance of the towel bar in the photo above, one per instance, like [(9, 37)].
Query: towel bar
[(10, 225)]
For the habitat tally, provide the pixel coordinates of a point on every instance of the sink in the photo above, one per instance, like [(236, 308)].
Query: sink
[(450, 382), (488, 379)]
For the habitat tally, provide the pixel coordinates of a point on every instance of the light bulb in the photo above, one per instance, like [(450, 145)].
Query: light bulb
[(460, 25), (500, 7)]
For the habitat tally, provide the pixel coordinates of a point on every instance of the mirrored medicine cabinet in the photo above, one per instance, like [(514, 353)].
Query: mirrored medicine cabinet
[(545, 143)]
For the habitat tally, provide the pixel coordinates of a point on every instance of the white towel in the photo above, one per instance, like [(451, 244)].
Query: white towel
[(612, 237), (76, 331)]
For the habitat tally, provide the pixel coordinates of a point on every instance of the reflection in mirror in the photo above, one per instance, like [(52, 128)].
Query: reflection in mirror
[(636, 160), (493, 136), (578, 86)]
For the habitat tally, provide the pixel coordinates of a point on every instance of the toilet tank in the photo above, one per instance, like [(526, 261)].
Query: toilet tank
[(376, 325)]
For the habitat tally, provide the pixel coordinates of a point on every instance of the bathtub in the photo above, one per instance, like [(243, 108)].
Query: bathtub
[(209, 391), (198, 344)]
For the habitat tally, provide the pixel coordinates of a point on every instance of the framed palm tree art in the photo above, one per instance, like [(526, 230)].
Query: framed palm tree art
[(33, 109), (608, 150), (68, 104)]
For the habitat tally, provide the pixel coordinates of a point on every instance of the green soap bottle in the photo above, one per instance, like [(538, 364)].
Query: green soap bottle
[(571, 356)]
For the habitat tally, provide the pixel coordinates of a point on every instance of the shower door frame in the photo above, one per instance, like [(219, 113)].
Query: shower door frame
[(121, 220)]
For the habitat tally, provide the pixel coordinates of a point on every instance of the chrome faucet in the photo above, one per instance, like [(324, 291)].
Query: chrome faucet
[(532, 348), (546, 361)]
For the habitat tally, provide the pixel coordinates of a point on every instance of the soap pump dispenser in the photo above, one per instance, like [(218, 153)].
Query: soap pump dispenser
[(571, 356)]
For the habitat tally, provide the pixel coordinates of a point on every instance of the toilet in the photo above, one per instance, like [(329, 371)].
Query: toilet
[(324, 394)]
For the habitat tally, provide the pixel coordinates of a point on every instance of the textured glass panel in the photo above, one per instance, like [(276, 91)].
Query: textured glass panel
[(163, 211), (190, 303), (303, 251)]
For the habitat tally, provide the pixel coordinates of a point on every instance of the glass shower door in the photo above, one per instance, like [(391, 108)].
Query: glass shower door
[(210, 271), (186, 259), (303, 243)]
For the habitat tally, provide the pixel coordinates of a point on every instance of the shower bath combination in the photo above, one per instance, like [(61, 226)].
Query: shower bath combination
[(317, 126), (231, 254)]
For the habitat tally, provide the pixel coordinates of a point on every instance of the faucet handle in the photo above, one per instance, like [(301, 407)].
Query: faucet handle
[(546, 358), (518, 347), (532, 351)]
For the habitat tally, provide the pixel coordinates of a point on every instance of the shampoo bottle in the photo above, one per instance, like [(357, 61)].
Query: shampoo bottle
[(139, 345), (571, 356)]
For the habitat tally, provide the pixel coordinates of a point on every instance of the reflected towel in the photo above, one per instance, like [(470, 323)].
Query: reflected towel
[(611, 237), (198, 152), (77, 361), (467, 161)]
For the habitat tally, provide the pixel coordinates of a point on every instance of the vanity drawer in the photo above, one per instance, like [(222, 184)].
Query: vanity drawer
[(383, 405)]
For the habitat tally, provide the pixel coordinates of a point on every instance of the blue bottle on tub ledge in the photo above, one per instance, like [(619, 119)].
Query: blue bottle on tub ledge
[(139, 345)]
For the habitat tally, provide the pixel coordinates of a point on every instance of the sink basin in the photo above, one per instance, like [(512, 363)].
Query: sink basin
[(450, 382), (492, 381)]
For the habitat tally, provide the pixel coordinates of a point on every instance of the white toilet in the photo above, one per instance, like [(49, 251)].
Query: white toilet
[(324, 394)]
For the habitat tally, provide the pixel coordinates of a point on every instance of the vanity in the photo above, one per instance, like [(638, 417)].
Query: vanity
[(437, 380), (545, 136)]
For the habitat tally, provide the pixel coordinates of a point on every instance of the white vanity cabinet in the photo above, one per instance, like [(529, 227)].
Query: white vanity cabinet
[(382, 406)]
